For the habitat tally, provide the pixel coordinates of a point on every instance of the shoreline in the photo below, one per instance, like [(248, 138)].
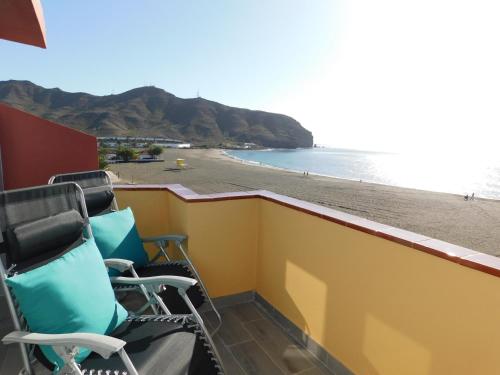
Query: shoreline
[(263, 165), (444, 216)]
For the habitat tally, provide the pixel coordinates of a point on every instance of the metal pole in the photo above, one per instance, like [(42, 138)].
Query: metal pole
[(202, 285), (15, 320), (200, 321), (127, 362)]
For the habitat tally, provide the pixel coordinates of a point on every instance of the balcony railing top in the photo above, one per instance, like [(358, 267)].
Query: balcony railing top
[(454, 253)]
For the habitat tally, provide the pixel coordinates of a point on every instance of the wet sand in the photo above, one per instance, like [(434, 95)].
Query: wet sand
[(473, 224)]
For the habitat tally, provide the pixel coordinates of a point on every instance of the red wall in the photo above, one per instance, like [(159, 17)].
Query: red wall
[(22, 21), (33, 149)]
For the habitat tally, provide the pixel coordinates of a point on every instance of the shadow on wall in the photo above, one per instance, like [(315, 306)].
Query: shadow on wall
[(377, 306)]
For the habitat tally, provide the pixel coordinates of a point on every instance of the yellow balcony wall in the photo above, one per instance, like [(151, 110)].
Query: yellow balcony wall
[(378, 306), (222, 234)]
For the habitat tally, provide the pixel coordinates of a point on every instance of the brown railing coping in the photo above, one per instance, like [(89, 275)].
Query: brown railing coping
[(454, 253)]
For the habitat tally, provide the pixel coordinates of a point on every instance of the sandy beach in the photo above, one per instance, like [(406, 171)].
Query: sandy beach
[(472, 224)]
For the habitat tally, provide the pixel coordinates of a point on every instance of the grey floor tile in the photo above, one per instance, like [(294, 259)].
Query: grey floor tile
[(4, 310), (3, 353), (254, 360), (207, 322), (232, 330), (12, 362), (246, 312), (286, 353), (231, 365)]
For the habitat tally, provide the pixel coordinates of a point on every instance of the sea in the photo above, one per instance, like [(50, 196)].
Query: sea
[(458, 173)]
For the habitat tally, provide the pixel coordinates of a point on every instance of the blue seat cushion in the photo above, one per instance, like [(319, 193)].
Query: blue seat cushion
[(116, 236), (70, 294)]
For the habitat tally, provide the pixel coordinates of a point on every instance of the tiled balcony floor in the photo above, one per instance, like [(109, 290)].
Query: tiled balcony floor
[(249, 342)]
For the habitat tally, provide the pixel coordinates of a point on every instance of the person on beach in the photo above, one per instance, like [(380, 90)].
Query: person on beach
[(467, 198)]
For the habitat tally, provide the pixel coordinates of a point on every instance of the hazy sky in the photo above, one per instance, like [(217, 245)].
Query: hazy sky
[(382, 75)]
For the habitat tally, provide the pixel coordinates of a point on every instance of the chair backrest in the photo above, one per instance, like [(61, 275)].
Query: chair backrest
[(37, 225), (97, 188)]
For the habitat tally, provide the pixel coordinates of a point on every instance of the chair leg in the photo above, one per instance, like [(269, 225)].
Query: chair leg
[(160, 303), (146, 294), (202, 285), (68, 355), (202, 325), (28, 370), (71, 368), (27, 364), (163, 250), (127, 362)]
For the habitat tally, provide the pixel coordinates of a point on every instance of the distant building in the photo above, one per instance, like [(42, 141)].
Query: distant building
[(142, 142), (174, 145)]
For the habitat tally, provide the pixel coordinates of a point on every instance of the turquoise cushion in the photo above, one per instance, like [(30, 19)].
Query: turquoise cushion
[(116, 236), (70, 294)]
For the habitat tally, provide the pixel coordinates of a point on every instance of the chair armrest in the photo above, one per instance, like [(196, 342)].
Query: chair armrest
[(166, 237), (178, 282), (105, 346), (119, 264)]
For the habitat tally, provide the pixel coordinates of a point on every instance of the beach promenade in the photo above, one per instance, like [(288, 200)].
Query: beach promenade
[(472, 224)]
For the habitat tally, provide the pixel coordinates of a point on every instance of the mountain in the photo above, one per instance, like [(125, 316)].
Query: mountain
[(150, 111)]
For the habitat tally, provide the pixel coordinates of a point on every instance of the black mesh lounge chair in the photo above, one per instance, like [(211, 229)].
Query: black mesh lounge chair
[(38, 228), (100, 199)]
